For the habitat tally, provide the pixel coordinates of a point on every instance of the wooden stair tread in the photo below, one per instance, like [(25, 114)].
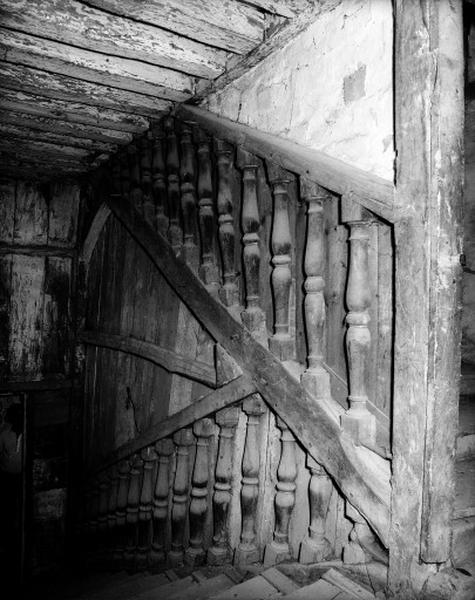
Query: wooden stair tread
[(319, 590), (257, 588)]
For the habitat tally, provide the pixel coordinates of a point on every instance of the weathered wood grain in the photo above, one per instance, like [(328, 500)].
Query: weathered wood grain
[(170, 360), (5, 312), (75, 23), (73, 112), (7, 211), (362, 477), (285, 8), (31, 215), (429, 175), (233, 26), (56, 85), (94, 231), (24, 134), (337, 176), (70, 129), (44, 149), (224, 396), (63, 214), (123, 73)]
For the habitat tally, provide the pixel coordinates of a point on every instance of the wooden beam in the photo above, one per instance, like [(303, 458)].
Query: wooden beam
[(228, 394), (75, 23), (168, 359), (36, 386), (283, 34), (74, 112), (284, 8), (36, 250), (362, 476), (373, 192), (53, 85), (100, 219), (58, 127), (429, 175), (45, 149), (25, 134), (233, 26), (123, 73)]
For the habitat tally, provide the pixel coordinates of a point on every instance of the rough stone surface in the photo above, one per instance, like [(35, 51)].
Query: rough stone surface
[(330, 88)]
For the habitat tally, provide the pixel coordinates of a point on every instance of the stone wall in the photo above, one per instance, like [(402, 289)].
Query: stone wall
[(330, 88)]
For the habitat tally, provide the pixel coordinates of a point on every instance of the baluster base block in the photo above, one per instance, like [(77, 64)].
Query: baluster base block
[(276, 553), (360, 426), (195, 557), (254, 320), (156, 561), (317, 383), (312, 552), (229, 294), (218, 556), (282, 347), (246, 555), (191, 255), (175, 559)]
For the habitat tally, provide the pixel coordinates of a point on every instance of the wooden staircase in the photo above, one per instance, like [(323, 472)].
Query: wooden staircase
[(281, 451)]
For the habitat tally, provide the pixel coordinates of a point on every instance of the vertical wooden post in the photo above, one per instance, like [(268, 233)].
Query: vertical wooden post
[(159, 180), (315, 379), (157, 559), (358, 421), (315, 547), (227, 419), (208, 270), (279, 549), (121, 514), (175, 233), (429, 107), (146, 179), (281, 343), (183, 440), (229, 292), (149, 457), (203, 430), (132, 512), (135, 193), (248, 551), (188, 197), (253, 317)]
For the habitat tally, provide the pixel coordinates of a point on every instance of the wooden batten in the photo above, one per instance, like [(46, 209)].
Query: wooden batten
[(123, 73), (62, 87), (234, 26), (73, 112), (75, 23), (373, 192), (285, 8)]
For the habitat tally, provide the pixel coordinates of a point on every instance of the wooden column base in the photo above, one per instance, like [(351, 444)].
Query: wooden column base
[(282, 346), (156, 561), (175, 559), (360, 425), (218, 556), (254, 320), (195, 557), (312, 551), (276, 553), (246, 555)]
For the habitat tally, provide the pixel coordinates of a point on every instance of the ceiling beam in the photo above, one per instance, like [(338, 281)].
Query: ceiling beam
[(43, 149), (12, 132), (232, 26), (74, 23), (284, 8), (123, 73), (74, 112), (53, 85), (72, 130)]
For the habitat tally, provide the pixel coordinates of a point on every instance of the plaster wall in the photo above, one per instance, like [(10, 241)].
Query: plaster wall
[(330, 88)]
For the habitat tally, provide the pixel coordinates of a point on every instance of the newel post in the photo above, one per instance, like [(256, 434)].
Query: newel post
[(358, 422), (281, 343), (253, 317), (315, 379)]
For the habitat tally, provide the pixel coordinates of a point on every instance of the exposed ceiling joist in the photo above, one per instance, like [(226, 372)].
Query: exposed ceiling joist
[(56, 57), (232, 26), (72, 22), (41, 124), (53, 85), (71, 111), (24, 134), (43, 149), (284, 8)]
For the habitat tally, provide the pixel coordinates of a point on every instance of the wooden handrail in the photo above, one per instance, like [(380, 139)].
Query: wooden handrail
[(164, 357), (371, 191), (362, 476)]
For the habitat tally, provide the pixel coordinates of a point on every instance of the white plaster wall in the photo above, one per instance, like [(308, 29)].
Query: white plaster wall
[(330, 88)]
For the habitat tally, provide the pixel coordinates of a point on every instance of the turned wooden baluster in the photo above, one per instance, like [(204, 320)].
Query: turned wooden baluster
[(120, 538), (203, 430), (208, 270), (281, 343), (315, 379), (149, 457), (247, 550), (146, 179), (253, 317), (229, 292), (175, 233), (227, 419), (135, 193), (159, 180), (183, 440), (315, 547), (165, 449), (358, 421), (132, 513), (279, 549), (188, 198)]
